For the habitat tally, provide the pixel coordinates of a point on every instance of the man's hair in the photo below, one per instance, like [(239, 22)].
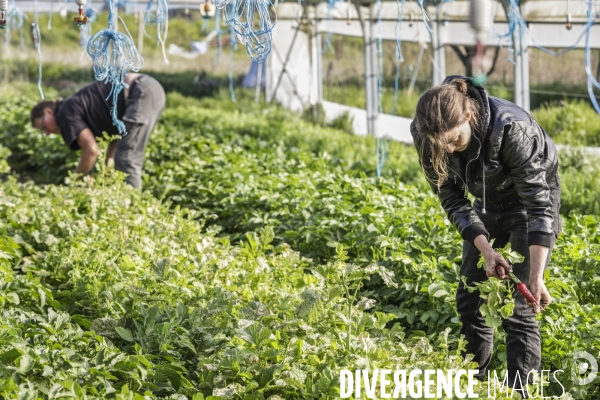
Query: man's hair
[(38, 110), (441, 109)]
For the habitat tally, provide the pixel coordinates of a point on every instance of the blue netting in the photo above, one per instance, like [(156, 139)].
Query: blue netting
[(37, 42), (329, 35), (399, 57), (218, 23), (516, 24), (425, 16), (232, 47), (400, 4), (592, 81), (90, 12), (517, 30), (114, 54), (50, 16), (251, 21), (15, 18), (85, 30), (159, 18), (382, 143)]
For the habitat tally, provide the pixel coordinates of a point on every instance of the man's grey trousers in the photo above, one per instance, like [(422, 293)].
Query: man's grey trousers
[(144, 106)]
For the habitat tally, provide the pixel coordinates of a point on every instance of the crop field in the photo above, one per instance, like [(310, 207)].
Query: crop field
[(262, 257)]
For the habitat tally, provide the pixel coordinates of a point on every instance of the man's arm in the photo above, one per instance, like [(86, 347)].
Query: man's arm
[(89, 151), (110, 151)]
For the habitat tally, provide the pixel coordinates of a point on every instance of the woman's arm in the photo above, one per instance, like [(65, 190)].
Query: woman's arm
[(523, 154), (492, 259), (458, 207), (537, 261)]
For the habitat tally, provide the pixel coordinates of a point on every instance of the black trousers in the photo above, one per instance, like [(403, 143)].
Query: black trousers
[(523, 344)]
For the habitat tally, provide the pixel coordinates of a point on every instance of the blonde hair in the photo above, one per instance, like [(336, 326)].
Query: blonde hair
[(441, 109)]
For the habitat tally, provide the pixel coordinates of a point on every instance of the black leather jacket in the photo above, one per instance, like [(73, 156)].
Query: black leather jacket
[(518, 158)]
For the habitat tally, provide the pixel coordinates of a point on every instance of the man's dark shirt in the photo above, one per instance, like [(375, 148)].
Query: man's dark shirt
[(88, 108)]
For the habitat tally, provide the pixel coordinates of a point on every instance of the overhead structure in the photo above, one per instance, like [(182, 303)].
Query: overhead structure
[(562, 24), (3, 9)]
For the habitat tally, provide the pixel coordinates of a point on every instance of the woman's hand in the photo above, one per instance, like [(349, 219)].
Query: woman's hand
[(538, 289), (496, 265)]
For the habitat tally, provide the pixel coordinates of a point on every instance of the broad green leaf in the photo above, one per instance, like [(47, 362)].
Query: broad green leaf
[(9, 356), (124, 333)]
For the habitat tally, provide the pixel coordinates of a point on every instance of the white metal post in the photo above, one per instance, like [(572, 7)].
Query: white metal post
[(140, 35), (319, 61), (438, 49), (371, 71), (521, 69)]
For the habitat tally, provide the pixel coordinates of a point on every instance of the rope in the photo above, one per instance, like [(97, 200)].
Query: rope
[(50, 16), (399, 57), (232, 43), (329, 34), (14, 22), (114, 54), (400, 5), (219, 52), (251, 21), (37, 42), (160, 18), (515, 20), (85, 32), (382, 143), (592, 81), (425, 17)]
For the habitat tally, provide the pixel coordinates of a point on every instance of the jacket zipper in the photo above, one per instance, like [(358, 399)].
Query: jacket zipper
[(467, 170), (461, 179)]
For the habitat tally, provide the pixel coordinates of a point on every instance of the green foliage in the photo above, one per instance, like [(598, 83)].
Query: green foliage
[(109, 294), (316, 115), (497, 293), (354, 96), (4, 154), (48, 162), (574, 122), (273, 259), (580, 178)]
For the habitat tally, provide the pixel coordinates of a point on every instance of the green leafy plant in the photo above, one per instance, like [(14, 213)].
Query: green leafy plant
[(498, 294), (234, 251)]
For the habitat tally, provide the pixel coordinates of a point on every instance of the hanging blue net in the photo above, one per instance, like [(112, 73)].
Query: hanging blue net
[(114, 54), (158, 18), (37, 43), (85, 31), (15, 18), (251, 22)]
